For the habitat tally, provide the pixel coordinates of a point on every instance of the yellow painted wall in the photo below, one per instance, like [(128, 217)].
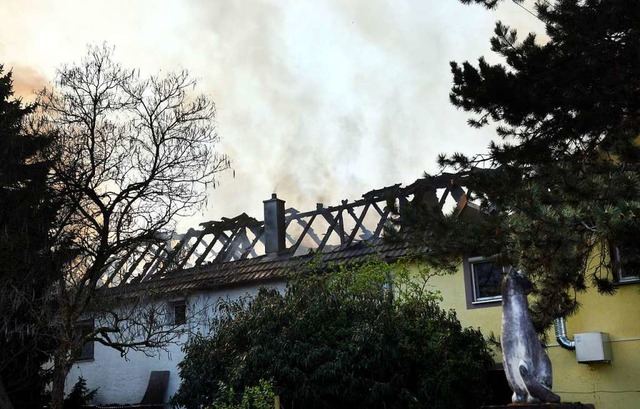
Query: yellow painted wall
[(608, 386)]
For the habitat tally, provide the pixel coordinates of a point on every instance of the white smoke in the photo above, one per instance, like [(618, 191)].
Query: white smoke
[(317, 101)]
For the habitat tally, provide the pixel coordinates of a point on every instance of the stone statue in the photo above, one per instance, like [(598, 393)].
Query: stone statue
[(526, 364)]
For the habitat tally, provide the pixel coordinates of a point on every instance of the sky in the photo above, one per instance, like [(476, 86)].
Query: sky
[(317, 100)]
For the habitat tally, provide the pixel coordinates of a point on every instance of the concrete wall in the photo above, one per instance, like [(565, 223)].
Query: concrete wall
[(124, 380), (609, 386)]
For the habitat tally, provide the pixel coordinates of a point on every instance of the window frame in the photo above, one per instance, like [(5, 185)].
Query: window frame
[(470, 288), (617, 269), (87, 352), (173, 305)]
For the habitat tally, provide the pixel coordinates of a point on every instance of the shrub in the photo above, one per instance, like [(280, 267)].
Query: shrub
[(253, 397), (366, 336)]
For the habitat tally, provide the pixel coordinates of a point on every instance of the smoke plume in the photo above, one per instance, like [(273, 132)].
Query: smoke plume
[(317, 101)]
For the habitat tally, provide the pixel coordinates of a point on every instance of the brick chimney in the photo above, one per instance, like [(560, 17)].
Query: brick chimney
[(274, 225)]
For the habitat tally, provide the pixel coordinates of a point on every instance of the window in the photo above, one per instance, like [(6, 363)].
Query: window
[(84, 328), (483, 279), (178, 312), (487, 279), (625, 264)]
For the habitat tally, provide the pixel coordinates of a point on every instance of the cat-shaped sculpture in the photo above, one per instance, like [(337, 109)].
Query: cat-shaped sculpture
[(526, 364)]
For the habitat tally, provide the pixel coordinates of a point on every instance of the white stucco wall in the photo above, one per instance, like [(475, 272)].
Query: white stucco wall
[(124, 380)]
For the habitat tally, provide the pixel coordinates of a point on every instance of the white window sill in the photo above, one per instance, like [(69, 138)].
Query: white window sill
[(487, 301)]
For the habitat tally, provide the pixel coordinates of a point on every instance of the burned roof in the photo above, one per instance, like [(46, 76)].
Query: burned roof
[(260, 270), (232, 252)]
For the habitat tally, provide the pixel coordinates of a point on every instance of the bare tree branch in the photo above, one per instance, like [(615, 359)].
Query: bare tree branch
[(131, 154)]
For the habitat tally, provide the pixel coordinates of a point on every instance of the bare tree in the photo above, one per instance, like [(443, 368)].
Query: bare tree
[(131, 154)]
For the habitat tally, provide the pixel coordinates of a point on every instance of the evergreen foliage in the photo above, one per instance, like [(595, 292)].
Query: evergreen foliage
[(79, 396), (561, 188), (26, 266), (368, 336)]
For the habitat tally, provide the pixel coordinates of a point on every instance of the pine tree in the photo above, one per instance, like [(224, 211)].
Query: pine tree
[(26, 267), (560, 191)]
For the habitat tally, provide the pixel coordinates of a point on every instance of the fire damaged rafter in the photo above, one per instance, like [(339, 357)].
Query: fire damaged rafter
[(334, 216), (335, 224), (306, 226), (134, 265), (192, 249), (226, 241), (383, 219), (230, 233), (149, 267), (250, 250), (208, 248), (172, 261), (321, 230)]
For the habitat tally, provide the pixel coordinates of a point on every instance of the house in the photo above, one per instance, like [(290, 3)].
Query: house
[(610, 379), (233, 257), (229, 259)]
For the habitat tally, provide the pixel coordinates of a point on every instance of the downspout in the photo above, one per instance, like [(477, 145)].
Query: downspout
[(560, 326)]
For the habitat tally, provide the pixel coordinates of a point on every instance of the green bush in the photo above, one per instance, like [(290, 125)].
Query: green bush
[(368, 336), (253, 397)]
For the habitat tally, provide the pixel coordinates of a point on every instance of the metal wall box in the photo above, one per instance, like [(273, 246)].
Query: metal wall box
[(593, 347)]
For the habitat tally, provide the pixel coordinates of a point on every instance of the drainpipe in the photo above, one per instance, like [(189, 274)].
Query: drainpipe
[(560, 326)]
